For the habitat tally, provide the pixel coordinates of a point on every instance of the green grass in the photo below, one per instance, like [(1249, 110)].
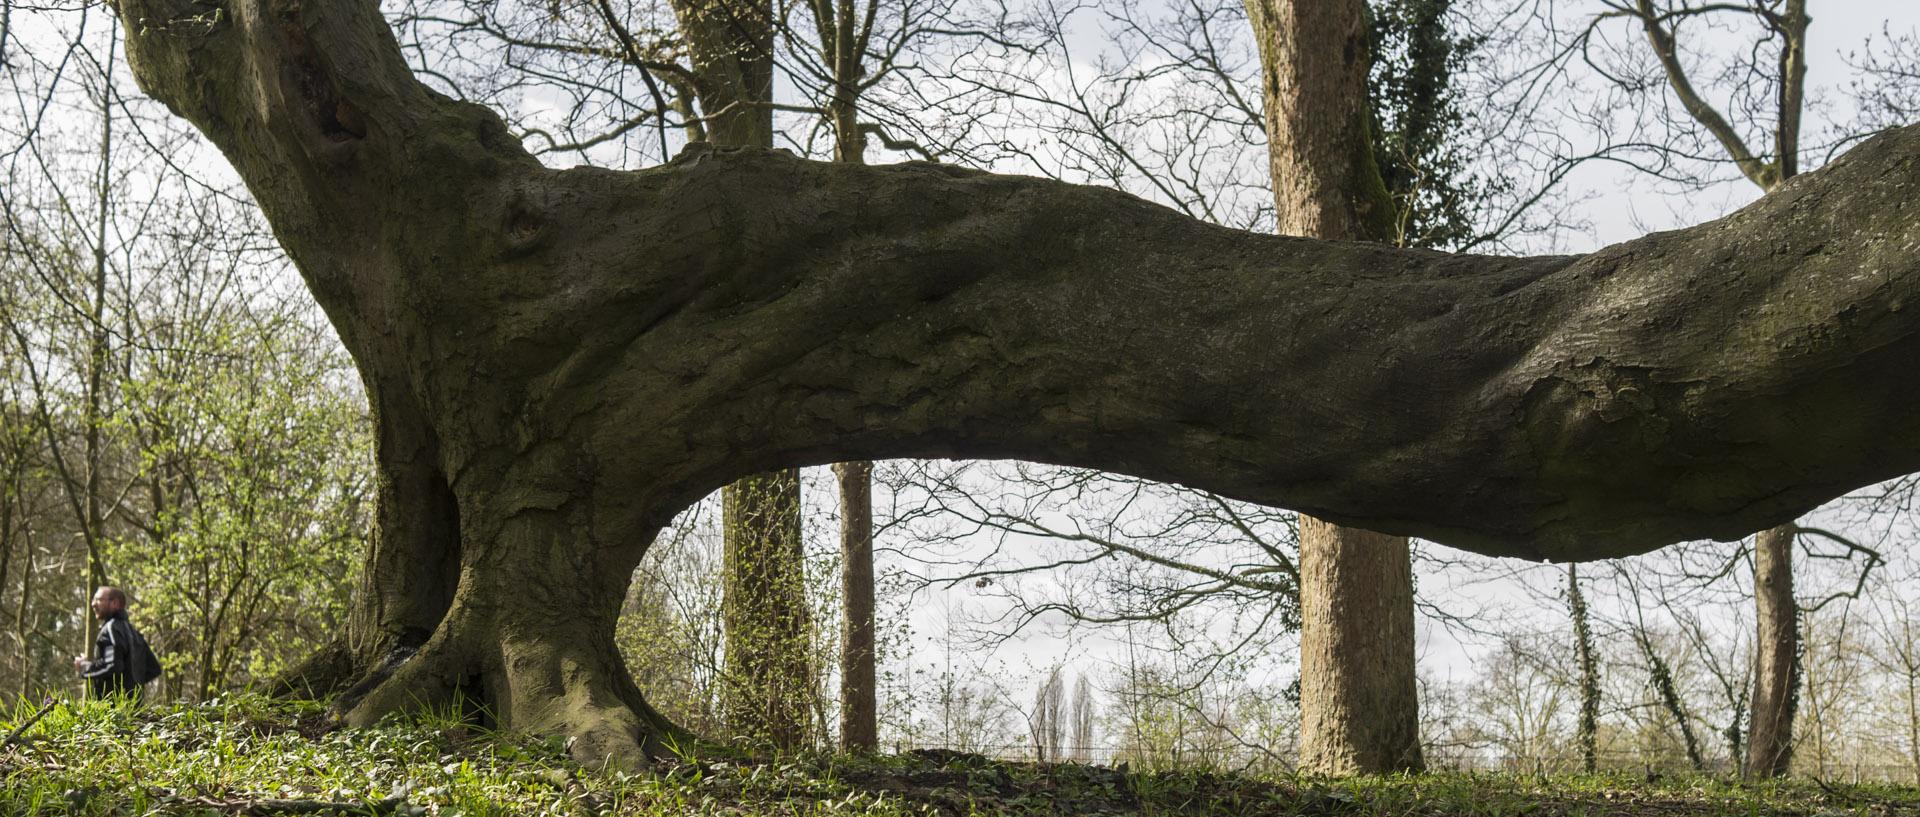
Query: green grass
[(248, 755)]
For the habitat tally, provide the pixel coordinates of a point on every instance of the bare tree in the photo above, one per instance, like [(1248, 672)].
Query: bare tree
[(1080, 737), (1887, 93), (1047, 724), (1898, 654)]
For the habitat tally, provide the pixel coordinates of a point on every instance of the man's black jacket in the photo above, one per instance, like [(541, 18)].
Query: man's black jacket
[(111, 670)]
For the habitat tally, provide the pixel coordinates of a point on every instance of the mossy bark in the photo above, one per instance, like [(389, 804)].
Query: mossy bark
[(769, 690), (560, 360)]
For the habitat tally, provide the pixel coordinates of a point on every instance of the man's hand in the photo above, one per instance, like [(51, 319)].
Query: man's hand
[(80, 663)]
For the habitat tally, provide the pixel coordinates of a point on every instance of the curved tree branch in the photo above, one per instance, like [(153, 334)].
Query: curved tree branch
[(1701, 383)]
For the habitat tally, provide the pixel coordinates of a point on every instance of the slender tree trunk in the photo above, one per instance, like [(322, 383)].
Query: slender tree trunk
[(1776, 663), (21, 628), (1359, 708), (1662, 677), (1909, 669), (9, 502), (846, 50), (1774, 675), (1777, 616), (859, 710), (92, 527), (1589, 672)]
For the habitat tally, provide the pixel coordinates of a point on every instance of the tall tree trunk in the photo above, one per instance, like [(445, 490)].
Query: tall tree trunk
[(21, 629), (1589, 729), (845, 49), (859, 710), (1359, 707), (1776, 614), (93, 526), (1776, 663), (1775, 623), (730, 43), (768, 690)]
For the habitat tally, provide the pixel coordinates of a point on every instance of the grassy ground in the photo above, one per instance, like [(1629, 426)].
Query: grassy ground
[(246, 755)]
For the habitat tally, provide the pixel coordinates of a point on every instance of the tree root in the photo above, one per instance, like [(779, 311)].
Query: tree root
[(540, 681)]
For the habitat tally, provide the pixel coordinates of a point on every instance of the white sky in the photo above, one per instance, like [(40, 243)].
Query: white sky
[(1629, 206)]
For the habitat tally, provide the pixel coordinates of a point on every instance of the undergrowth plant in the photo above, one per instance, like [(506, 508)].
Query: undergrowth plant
[(244, 754)]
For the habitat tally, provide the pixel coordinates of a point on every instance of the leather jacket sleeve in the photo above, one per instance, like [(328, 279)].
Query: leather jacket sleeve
[(111, 649)]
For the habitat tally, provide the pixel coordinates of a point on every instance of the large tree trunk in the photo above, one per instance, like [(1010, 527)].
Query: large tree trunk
[(859, 709), (572, 356), (769, 686), (1777, 649), (1359, 706)]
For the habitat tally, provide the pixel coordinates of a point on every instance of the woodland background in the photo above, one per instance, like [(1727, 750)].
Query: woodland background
[(177, 418)]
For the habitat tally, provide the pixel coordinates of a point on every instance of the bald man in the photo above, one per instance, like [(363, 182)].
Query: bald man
[(110, 673)]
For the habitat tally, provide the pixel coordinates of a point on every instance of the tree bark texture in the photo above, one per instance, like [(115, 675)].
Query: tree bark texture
[(560, 360), (845, 46), (730, 43), (1359, 705), (859, 710), (1314, 59), (769, 685), (1776, 677)]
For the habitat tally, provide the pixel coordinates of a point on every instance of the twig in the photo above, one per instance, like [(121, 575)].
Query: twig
[(15, 737)]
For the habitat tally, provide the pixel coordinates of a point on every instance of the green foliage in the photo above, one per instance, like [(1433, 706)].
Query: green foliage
[(174, 417), (259, 512), (1420, 131), (245, 754), (669, 629), (770, 688)]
